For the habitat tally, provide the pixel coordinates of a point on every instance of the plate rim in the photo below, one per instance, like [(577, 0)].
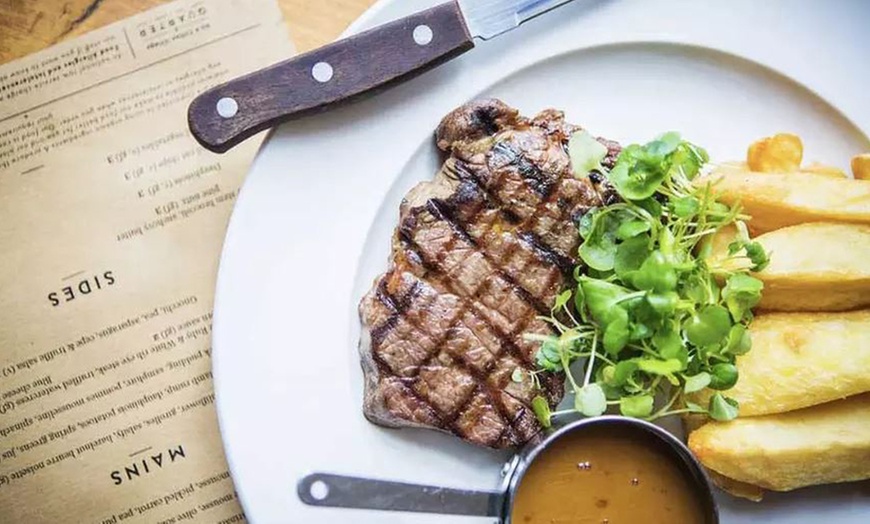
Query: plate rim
[(383, 5)]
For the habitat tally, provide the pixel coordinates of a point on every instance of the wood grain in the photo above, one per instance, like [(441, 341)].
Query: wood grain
[(27, 26), (360, 65)]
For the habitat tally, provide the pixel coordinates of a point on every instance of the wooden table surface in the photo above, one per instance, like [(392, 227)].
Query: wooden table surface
[(30, 25)]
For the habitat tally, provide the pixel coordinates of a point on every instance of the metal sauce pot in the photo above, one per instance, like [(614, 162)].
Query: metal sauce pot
[(323, 489)]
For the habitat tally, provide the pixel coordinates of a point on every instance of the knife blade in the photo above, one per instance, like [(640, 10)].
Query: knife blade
[(347, 69), (487, 19)]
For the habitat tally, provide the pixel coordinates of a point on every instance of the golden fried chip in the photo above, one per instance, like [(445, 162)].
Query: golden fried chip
[(780, 153), (691, 422), (861, 166), (743, 490), (777, 200), (799, 360), (818, 445), (824, 170), (816, 267)]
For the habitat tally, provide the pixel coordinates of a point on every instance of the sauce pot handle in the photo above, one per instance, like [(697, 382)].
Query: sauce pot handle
[(338, 491)]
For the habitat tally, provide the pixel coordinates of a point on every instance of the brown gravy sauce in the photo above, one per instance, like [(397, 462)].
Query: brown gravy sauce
[(606, 475)]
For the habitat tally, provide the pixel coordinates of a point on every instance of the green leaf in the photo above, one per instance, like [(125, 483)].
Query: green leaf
[(569, 339), (669, 343), (612, 392), (656, 274), (548, 356), (599, 245), (542, 411), (663, 303), (757, 255), (665, 144), (723, 408), (688, 158), (636, 181), (723, 376), (704, 250), (741, 293), (697, 382), (561, 300), (599, 254), (580, 302), (713, 288), (735, 247), (729, 358), (667, 241), (695, 288), (742, 283), (739, 340), (651, 206), (641, 170), (541, 361), (719, 207), (616, 333), (517, 375), (709, 326), (632, 228), (584, 226), (680, 353), (630, 255), (550, 349), (586, 153), (590, 400), (607, 374), (685, 207), (660, 367), (639, 331), (602, 298), (754, 251), (624, 371), (654, 305), (638, 406)]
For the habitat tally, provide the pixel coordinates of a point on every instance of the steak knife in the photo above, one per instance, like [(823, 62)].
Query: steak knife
[(342, 71)]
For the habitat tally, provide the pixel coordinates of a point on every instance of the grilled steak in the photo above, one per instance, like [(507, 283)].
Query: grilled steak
[(479, 253)]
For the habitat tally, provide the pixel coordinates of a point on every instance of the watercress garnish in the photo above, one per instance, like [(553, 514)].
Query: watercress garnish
[(652, 318)]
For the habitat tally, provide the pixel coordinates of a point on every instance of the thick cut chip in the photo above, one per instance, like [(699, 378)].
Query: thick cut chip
[(802, 359), (861, 166), (813, 267), (822, 444), (816, 267), (780, 153), (777, 200), (824, 170)]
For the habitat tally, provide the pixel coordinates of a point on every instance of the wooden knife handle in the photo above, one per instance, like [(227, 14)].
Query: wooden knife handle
[(227, 114)]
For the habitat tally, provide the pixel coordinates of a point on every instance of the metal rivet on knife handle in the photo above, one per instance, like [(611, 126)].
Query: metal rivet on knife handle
[(322, 72), (423, 34), (227, 107)]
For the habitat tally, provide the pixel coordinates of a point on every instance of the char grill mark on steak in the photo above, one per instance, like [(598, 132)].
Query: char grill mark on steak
[(443, 212), (460, 388), (478, 254), (484, 367), (473, 379), (564, 262)]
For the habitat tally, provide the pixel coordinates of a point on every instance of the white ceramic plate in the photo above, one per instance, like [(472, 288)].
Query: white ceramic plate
[(311, 227)]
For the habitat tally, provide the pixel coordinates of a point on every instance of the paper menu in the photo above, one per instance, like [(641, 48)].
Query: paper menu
[(111, 224)]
